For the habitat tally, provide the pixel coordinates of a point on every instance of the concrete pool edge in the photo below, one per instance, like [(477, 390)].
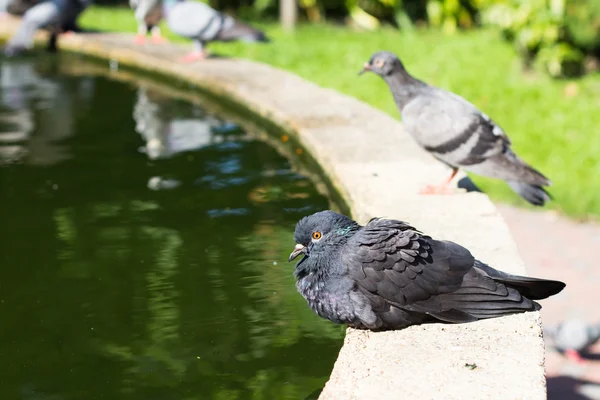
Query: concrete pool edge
[(377, 170)]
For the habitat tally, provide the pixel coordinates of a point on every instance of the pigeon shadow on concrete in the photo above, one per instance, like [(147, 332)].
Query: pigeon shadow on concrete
[(586, 355), (217, 56), (568, 387), (467, 184), (81, 31)]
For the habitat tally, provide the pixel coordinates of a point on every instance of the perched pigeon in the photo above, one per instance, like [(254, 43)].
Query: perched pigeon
[(148, 14), (455, 132), (57, 15), (202, 24), (573, 336), (387, 275)]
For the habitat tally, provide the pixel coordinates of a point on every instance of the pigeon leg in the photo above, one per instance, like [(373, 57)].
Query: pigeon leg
[(197, 54), (140, 38), (441, 188), (574, 356), (156, 35)]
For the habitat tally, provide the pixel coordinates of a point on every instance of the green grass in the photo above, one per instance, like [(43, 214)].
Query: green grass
[(558, 135)]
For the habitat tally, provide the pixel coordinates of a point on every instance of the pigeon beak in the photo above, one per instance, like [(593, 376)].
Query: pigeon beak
[(366, 68), (299, 249)]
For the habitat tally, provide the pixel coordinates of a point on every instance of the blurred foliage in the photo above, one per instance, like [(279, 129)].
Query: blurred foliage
[(582, 21), (555, 34), (558, 35)]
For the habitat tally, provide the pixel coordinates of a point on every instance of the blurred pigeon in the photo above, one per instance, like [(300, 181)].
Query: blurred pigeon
[(573, 336), (202, 24), (57, 15), (387, 275), (3, 6), (166, 137), (455, 132), (18, 7), (148, 14)]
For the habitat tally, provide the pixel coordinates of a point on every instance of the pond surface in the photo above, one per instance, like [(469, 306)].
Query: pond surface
[(144, 249)]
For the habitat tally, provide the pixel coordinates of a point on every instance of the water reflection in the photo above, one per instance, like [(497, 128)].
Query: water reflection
[(153, 275), (166, 133), (23, 89)]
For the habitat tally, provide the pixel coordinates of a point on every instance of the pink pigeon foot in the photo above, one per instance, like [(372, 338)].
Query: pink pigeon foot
[(194, 56), (68, 33), (437, 189), (158, 39), (574, 356), (441, 188), (139, 39)]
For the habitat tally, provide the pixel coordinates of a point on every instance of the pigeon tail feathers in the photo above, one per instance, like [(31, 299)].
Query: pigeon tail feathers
[(523, 179), (595, 332), (534, 194), (242, 31), (532, 288)]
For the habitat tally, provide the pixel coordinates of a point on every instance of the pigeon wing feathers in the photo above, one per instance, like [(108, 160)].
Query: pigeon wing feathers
[(452, 129), (390, 259), (240, 31), (192, 19), (393, 264)]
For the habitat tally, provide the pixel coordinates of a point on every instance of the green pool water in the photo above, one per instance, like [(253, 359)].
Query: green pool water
[(143, 248)]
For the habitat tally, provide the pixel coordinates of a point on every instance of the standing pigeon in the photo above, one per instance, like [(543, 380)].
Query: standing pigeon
[(387, 275), (148, 14), (202, 24), (53, 14), (574, 336), (455, 132)]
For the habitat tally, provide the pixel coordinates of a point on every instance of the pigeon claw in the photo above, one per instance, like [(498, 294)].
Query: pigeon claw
[(139, 39), (436, 189), (194, 56), (298, 249), (573, 355)]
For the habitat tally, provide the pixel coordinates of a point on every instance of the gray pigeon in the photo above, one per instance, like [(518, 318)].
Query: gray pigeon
[(148, 14), (17, 7), (53, 14), (202, 24), (387, 275), (573, 336), (455, 132)]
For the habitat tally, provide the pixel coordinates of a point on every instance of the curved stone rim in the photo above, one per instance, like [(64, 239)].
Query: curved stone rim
[(377, 171)]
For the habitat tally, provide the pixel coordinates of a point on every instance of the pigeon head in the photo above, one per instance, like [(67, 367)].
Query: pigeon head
[(320, 232), (383, 63)]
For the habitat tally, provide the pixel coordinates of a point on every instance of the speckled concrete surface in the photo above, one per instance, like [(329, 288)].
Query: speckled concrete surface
[(378, 170)]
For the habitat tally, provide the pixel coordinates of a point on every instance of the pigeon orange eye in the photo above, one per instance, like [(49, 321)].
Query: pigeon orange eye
[(379, 63), (316, 235)]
